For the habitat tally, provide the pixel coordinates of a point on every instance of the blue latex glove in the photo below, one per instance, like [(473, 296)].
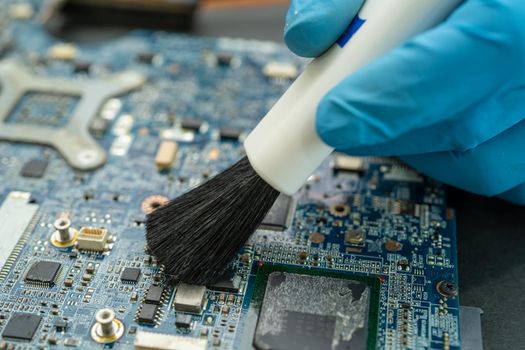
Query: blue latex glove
[(450, 102)]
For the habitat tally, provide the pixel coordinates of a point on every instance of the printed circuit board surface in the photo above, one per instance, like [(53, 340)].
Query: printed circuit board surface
[(95, 136)]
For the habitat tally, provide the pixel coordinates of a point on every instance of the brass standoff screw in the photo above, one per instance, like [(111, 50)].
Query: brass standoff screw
[(107, 329), (63, 226), (64, 235), (105, 318)]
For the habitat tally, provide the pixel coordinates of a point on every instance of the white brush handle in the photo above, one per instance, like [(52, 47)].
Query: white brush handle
[(284, 148)]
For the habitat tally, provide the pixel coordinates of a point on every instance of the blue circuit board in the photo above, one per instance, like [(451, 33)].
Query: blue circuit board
[(372, 226)]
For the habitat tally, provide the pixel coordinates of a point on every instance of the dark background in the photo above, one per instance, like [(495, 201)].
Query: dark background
[(491, 232)]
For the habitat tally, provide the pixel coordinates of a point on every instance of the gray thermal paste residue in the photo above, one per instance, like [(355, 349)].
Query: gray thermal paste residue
[(313, 312)]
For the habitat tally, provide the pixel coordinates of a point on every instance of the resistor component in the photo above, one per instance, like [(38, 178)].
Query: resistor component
[(166, 154)]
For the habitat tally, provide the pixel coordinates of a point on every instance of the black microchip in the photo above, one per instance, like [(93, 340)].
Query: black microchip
[(34, 168), (321, 220), (279, 216), (229, 134), (224, 59), (22, 326), (154, 295), (82, 67), (6, 46), (145, 57), (228, 282), (407, 208), (99, 126), (147, 313), (130, 275), (191, 124), (44, 272), (60, 325), (183, 321), (88, 196)]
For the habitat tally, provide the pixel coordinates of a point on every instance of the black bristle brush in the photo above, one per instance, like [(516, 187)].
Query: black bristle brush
[(196, 235)]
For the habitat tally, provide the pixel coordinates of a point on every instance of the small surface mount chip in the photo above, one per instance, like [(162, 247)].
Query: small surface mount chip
[(71, 342), (35, 168), (229, 282), (60, 325), (183, 321), (130, 275), (154, 295), (280, 215), (22, 326), (145, 57), (224, 59), (166, 154), (82, 67), (402, 173), (147, 313), (229, 134), (348, 164), (355, 237), (280, 70), (189, 298), (43, 273), (99, 126), (191, 124)]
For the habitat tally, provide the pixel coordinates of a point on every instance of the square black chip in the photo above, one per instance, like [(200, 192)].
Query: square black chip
[(43, 272), (34, 168), (147, 313), (154, 295), (22, 326), (130, 275)]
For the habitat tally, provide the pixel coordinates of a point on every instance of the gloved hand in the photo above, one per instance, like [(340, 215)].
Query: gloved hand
[(450, 102)]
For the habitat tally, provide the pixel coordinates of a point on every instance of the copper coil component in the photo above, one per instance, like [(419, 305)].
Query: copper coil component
[(152, 203)]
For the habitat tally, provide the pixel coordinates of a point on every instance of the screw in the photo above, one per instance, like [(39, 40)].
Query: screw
[(447, 288), (62, 226), (105, 318)]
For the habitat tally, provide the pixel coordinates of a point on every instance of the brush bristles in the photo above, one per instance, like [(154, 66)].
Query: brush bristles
[(198, 234)]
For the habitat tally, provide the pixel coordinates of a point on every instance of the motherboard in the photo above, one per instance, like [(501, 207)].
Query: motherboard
[(93, 137)]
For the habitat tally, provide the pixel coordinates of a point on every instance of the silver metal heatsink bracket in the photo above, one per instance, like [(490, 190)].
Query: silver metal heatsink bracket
[(73, 141)]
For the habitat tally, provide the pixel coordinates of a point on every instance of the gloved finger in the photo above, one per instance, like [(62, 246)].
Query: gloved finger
[(432, 78), (462, 132), (312, 26), (515, 195), (492, 168)]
